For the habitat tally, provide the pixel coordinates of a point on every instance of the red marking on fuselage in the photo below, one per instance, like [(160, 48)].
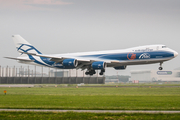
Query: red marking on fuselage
[(131, 56)]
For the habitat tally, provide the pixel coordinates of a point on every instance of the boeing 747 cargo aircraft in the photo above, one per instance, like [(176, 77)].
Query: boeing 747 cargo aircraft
[(92, 61)]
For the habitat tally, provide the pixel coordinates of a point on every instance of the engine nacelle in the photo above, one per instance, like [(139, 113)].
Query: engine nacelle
[(70, 63), (98, 65), (120, 67)]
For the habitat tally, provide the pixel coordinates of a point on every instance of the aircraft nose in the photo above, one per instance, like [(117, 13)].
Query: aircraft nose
[(175, 54)]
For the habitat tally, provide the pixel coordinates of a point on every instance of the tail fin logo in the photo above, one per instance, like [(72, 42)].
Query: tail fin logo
[(26, 48)]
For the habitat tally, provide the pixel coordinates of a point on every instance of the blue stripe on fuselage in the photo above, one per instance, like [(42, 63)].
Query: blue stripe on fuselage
[(47, 61)]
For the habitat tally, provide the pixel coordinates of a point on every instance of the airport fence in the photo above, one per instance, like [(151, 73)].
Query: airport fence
[(43, 75), (52, 80)]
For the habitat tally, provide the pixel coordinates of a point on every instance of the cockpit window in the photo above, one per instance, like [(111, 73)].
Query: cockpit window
[(164, 46)]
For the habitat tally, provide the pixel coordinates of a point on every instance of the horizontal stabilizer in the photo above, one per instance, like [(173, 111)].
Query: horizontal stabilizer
[(19, 59)]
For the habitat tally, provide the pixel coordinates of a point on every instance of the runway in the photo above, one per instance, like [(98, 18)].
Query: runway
[(94, 111)]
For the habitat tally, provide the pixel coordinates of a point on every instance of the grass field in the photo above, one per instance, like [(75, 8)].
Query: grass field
[(91, 98), (94, 98), (84, 116)]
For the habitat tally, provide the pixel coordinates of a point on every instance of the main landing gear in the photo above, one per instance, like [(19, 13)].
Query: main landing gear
[(92, 72), (161, 68), (102, 72)]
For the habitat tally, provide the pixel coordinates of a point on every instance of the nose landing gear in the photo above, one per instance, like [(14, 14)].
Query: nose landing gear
[(161, 68)]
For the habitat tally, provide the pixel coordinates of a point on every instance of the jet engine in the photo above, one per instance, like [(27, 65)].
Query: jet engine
[(98, 65), (70, 63)]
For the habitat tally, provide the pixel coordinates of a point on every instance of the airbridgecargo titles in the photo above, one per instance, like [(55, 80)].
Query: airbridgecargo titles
[(92, 61), (144, 50)]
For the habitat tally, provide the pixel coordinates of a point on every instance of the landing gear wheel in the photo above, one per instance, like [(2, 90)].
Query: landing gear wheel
[(87, 73), (102, 72), (91, 72), (160, 68)]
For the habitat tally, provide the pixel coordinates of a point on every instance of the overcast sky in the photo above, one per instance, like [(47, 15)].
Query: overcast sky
[(66, 26)]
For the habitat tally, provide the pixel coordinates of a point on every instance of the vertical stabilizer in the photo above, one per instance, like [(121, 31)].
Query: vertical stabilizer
[(23, 46)]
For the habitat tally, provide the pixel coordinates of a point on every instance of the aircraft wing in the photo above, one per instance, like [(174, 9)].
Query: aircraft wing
[(83, 63)]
